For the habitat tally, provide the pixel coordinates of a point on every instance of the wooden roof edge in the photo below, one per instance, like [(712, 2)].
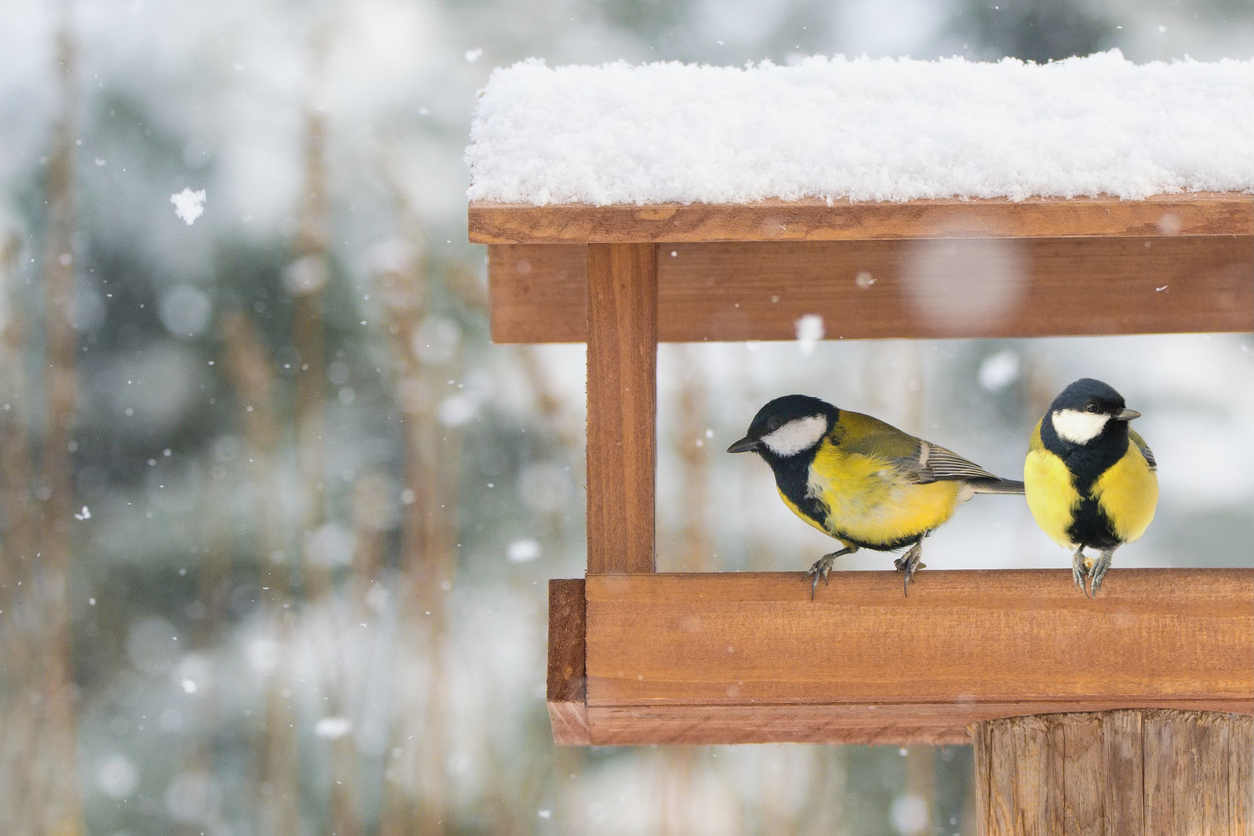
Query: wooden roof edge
[(1187, 213)]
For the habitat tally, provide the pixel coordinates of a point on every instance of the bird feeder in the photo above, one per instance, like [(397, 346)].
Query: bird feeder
[(1065, 697)]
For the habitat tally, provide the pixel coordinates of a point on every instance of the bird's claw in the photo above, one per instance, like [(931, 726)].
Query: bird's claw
[(1092, 569), (910, 562), (819, 570), (1079, 569), (824, 565), (1098, 572)]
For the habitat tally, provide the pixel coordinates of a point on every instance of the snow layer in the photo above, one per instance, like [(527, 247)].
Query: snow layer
[(864, 129)]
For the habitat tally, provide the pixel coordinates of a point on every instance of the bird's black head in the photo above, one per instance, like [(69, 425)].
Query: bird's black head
[(1087, 410), (787, 426)]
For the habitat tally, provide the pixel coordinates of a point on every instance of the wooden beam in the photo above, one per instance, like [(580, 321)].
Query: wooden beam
[(566, 691), (883, 289), (622, 406), (748, 657), (815, 220), (1143, 772)]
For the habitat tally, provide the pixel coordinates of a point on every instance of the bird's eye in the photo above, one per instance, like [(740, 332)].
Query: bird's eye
[(1090, 407), (773, 424)]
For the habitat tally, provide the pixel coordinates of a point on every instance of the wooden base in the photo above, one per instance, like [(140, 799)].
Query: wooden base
[(1134, 772), (748, 657)]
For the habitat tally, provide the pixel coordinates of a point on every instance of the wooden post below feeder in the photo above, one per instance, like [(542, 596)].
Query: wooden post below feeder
[(1118, 772)]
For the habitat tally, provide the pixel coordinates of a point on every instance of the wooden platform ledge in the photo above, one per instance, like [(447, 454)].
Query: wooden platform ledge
[(748, 658)]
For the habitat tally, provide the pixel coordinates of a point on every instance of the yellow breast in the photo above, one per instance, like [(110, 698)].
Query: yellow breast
[(870, 502), (1051, 497), (1128, 493)]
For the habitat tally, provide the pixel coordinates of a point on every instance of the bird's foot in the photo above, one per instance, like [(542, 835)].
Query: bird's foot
[(910, 562), (824, 565), (1079, 569), (1098, 571)]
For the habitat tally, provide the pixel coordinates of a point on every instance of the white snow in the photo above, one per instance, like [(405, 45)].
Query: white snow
[(999, 371), (333, 728), (861, 129), (523, 551), (809, 331), (189, 205)]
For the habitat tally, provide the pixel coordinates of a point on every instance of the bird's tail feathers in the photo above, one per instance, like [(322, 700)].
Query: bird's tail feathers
[(1005, 486)]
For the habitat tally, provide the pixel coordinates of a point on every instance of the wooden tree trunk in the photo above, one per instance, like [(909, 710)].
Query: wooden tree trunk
[(1117, 772)]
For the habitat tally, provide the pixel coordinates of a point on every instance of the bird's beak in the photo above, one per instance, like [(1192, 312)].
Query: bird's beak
[(1126, 414), (744, 445)]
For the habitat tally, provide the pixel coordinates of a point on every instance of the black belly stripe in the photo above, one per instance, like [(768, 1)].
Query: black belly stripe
[(1091, 527)]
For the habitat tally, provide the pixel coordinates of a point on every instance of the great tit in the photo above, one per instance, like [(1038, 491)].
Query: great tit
[(1090, 477), (864, 482)]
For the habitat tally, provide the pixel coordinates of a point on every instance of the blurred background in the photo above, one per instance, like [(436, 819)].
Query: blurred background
[(276, 518)]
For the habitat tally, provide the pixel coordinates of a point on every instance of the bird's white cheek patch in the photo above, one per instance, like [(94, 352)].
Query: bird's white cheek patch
[(1078, 427), (795, 436)]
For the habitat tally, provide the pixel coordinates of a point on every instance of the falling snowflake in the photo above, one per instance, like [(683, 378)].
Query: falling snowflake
[(189, 205), (332, 728), (523, 551), (809, 331)]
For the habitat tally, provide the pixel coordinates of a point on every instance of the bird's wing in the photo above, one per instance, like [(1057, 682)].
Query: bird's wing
[(862, 435), (919, 461), (1136, 439), (936, 464)]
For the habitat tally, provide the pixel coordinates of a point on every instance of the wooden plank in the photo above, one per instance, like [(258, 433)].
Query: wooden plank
[(870, 724), (538, 293), (815, 220), (622, 406), (1124, 762), (1241, 775), (566, 688), (726, 658), (890, 289), (1141, 771)]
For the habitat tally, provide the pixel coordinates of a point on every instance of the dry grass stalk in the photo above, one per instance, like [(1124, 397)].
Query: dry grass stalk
[(22, 787), (307, 281), (249, 368), (56, 796), (696, 543), (416, 792)]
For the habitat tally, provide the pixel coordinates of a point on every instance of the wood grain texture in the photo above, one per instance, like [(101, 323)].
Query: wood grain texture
[(1241, 778), (741, 657), (871, 724), (815, 220), (622, 406), (1118, 772), (892, 289), (566, 689)]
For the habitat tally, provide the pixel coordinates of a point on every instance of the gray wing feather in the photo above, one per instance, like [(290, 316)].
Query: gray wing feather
[(936, 464)]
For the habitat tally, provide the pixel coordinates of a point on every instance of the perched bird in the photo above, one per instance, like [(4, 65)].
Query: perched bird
[(1090, 478), (864, 482)]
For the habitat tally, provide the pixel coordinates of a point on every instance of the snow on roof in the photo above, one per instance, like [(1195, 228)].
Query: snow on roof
[(864, 129)]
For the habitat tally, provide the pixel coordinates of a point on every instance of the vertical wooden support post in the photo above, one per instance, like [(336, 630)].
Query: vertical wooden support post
[(622, 406), (1143, 772)]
